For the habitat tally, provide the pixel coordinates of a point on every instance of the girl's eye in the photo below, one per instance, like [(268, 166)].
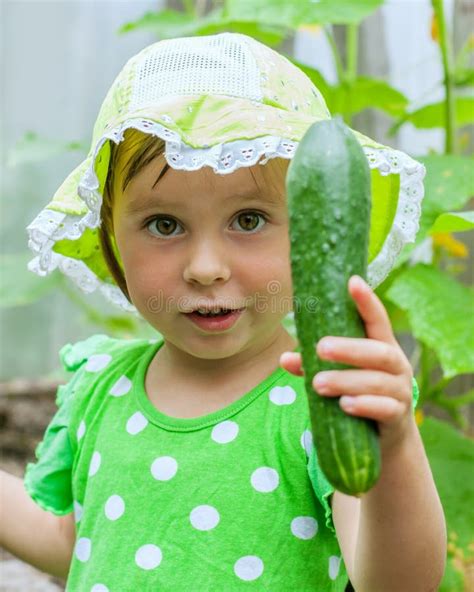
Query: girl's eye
[(164, 226), (247, 220)]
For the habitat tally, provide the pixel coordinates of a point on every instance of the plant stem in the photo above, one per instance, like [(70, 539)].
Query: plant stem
[(459, 400), (90, 312), (440, 385), (351, 52), (345, 76), (335, 53), (446, 54), (200, 9), (352, 31), (189, 7), (425, 371)]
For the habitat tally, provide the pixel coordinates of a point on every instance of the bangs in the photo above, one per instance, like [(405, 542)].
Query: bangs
[(270, 178)]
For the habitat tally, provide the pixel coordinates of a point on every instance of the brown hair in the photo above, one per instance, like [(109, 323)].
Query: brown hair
[(144, 148)]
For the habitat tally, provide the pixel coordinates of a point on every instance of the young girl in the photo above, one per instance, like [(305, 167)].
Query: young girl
[(187, 462)]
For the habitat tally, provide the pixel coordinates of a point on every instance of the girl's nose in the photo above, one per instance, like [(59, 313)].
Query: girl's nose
[(207, 263)]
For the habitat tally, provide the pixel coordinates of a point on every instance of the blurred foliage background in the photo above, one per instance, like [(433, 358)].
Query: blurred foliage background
[(358, 54)]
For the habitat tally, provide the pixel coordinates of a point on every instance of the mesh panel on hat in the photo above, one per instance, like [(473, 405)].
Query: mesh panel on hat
[(221, 65)]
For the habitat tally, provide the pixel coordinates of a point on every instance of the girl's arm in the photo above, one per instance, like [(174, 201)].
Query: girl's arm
[(37, 537), (394, 537), (399, 539)]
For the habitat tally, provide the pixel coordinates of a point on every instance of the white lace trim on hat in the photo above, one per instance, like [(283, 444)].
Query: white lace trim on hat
[(51, 226)]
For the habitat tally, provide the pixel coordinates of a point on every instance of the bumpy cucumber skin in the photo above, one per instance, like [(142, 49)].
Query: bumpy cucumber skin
[(328, 191)]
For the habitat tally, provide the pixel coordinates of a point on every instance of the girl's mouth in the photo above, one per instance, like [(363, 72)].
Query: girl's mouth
[(215, 322)]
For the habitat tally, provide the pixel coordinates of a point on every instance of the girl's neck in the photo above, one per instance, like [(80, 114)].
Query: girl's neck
[(174, 366)]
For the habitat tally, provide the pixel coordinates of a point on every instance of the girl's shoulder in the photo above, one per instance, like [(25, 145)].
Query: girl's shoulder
[(97, 350), (96, 363)]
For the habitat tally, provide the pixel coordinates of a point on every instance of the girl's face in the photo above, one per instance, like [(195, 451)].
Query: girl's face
[(198, 237)]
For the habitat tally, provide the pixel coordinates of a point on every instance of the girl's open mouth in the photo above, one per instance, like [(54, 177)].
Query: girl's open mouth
[(218, 322)]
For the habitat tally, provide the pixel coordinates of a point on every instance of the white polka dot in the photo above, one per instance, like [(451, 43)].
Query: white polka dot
[(98, 362), (334, 563), (225, 432), (204, 517), (282, 395), (77, 511), (83, 549), (95, 463), (148, 557), (114, 507), (306, 441), (265, 479), (81, 430), (304, 527), (121, 387), (248, 568), (136, 423), (164, 468), (99, 588)]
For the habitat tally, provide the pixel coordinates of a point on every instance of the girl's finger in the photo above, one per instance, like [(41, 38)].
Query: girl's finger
[(358, 382), (380, 409), (363, 353), (371, 309), (291, 362)]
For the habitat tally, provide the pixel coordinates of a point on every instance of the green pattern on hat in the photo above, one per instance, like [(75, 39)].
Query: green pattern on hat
[(224, 101)]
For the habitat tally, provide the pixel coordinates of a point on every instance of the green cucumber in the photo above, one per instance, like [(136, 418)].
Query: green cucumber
[(329, 203)]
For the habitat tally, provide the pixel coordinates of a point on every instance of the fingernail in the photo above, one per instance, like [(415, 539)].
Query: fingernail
[(320, 379), (326, 346), (347, 402)]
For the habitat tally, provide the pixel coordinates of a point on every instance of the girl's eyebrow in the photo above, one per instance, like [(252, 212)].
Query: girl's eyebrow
[(137, 206)]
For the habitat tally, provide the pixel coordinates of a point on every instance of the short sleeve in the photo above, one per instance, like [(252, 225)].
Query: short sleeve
[(49, 480), (321, 486)]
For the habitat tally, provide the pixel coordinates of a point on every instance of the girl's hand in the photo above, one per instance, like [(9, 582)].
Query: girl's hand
[(382, 388)]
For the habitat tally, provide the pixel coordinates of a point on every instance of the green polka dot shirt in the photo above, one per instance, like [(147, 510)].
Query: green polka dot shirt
[(234, 500)]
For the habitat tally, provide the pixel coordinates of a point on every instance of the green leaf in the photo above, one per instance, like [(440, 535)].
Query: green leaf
[(159, 22), (440, 313), (433, 115), (168, 24), (294, 14), (449, 184), (19, 286), (34, 148), (118, 324), (398, 318), (451, 458), (454, 577), (453, 222), (464, 77), (365, 93), (317, 79), (463, 399)]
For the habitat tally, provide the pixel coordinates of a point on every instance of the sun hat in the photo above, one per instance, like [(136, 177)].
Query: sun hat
[(223, 101)]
